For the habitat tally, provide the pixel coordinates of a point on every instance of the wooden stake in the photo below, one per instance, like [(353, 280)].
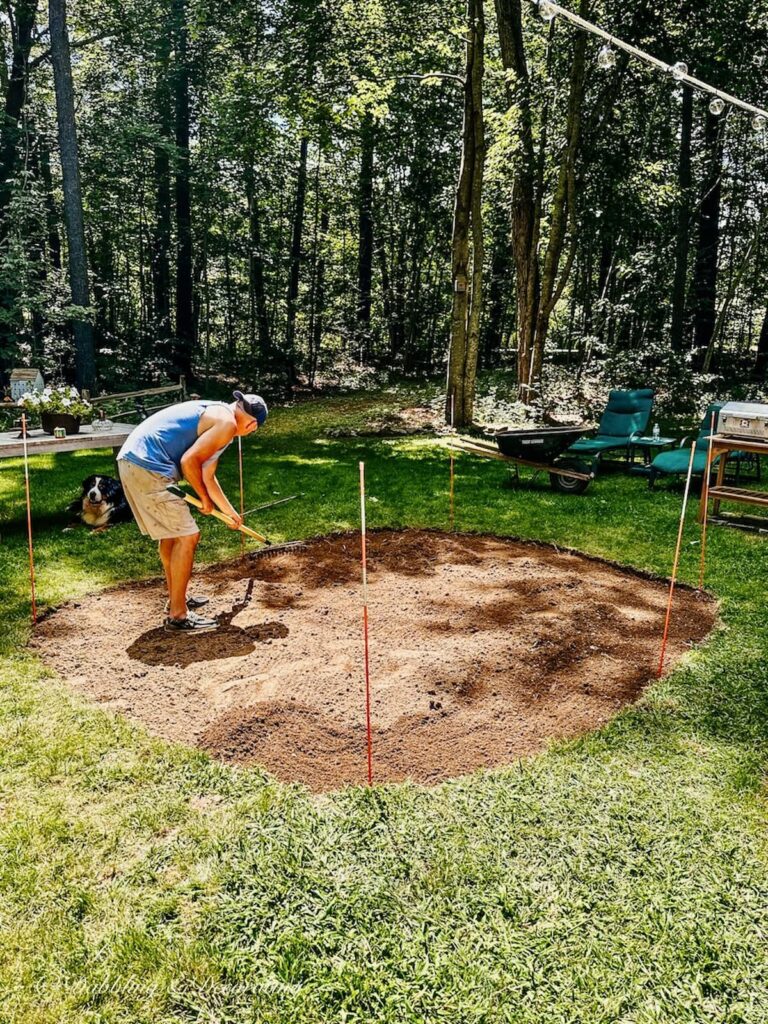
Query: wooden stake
[(674, 566), (451, 516), (29, 521), (365, 624), (242, 499), (705, 500)]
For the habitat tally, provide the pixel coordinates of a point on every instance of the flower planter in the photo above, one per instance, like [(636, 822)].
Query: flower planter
[(50, 420)]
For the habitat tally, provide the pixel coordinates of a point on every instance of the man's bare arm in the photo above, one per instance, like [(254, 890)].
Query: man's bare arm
[(217, 495), (208, 443)]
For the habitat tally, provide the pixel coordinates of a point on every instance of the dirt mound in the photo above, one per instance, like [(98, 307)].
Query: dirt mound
[(482, 650)]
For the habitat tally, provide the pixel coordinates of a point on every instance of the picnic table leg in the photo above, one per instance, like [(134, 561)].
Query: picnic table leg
[(719, 480)]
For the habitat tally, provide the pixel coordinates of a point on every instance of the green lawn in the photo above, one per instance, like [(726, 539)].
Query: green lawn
[(620, 878)]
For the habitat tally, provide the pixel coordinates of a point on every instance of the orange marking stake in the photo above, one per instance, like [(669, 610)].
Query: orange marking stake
[(242, 500), (365, 626), (451, 516), (677, 558), (29, 520), (705, 499)]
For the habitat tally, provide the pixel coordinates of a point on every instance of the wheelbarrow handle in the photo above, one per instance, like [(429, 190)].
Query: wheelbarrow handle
[(190, 500)]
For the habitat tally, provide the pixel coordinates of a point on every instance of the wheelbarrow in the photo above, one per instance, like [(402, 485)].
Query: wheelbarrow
[(539, 448)]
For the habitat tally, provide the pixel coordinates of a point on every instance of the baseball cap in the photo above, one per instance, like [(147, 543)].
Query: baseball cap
[(254, 405)]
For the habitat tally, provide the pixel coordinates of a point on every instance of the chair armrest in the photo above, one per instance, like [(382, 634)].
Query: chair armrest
[(684, 440)]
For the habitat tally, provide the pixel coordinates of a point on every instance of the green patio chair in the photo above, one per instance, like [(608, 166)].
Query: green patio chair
[(626, 416), (675, 462)]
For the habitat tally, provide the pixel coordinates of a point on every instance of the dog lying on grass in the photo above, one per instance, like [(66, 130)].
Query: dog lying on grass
[(101, 503)]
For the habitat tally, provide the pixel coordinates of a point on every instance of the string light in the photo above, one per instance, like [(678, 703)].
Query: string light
[(606, 58), (546, 10)]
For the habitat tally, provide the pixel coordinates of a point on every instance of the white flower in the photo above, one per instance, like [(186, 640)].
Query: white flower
[(66, 401)]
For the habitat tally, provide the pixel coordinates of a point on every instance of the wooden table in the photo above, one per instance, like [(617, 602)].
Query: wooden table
[(40, 443), (723, 446)]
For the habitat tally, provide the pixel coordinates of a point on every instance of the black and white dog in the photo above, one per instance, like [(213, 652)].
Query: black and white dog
[(101, 503)]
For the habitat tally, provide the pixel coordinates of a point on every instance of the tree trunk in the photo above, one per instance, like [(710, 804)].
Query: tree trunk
[(85, 363), (15, 97), (538, 289), (761, 361), (563, 213), (52, 220), (160, 253), (682, 241), (259, 316), (524, 219), (295, 264), (229, 311), (318, 303), (498, 288), (467, 265), (185, 326), (705, 276), (365, 235)]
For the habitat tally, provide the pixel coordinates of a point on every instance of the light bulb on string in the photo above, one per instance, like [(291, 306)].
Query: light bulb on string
[(606, 58), (546, 10), (716, 106), (759, 123), (679, 70)]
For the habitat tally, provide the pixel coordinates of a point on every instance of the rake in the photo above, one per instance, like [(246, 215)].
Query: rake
[(242, 528)]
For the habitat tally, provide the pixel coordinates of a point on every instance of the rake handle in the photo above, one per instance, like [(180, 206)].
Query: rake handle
[(216, 513)]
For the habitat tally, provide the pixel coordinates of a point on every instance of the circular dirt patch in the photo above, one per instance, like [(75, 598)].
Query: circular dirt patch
[(482, 650)]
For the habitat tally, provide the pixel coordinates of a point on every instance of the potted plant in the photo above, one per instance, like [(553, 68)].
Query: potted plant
[(60, 406)]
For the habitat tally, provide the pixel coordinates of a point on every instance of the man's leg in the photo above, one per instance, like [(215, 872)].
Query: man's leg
[(164, 548), (178, 556)]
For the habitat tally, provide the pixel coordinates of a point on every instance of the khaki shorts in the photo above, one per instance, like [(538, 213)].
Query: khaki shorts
[(159, 514)]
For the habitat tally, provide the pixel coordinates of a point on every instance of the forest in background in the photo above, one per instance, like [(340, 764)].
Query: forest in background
[(281, 191)]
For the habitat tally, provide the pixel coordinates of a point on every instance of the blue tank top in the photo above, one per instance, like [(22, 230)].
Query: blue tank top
[(159, 443)]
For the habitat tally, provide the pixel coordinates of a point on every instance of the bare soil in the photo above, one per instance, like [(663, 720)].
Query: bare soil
[(482, 650)]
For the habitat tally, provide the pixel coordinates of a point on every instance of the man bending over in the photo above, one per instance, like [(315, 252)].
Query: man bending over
[(183, 441)]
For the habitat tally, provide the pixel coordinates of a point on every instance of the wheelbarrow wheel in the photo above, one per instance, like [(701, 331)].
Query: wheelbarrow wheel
[(570, 484)]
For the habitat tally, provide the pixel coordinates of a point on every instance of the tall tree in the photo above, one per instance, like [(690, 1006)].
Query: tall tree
[(185, 322), (85, 362), (682, 237), (467, 242), (294, 271), (365, 232), (538, 286), (160, 241), (708, 237), (257, 295), (761, 360), (22, 22)]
